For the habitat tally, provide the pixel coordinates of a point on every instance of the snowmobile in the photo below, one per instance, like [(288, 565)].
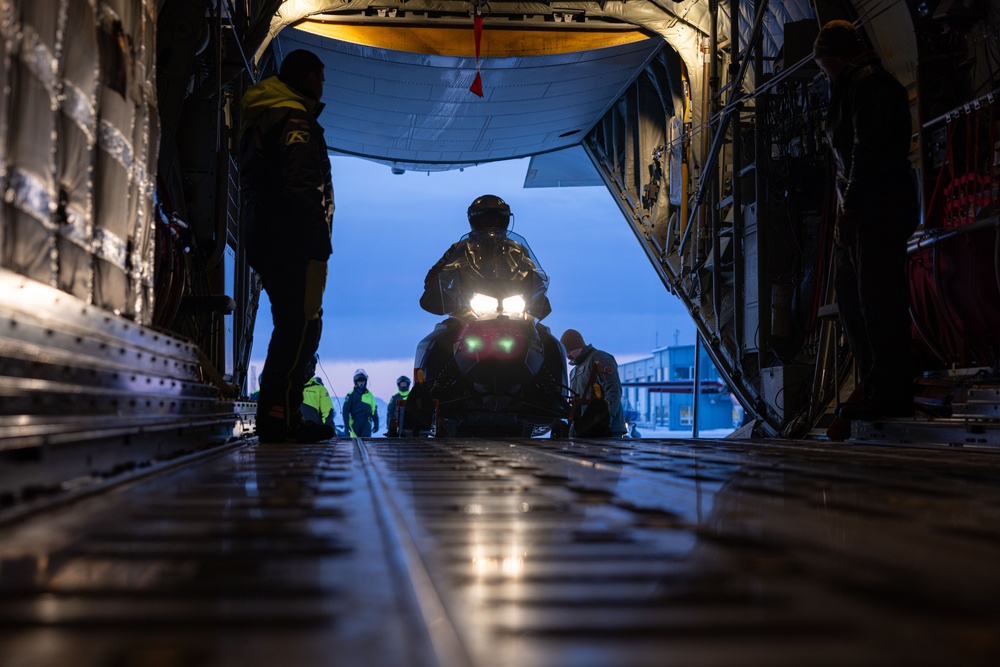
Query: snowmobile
[(491, 368)]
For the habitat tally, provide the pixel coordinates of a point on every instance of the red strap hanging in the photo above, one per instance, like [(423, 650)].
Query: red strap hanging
[(477, 29)]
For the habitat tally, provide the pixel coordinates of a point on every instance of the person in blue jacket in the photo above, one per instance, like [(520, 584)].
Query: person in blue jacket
[(360, 411)]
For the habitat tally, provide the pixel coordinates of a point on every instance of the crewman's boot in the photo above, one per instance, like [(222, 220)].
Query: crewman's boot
[(308, 432)]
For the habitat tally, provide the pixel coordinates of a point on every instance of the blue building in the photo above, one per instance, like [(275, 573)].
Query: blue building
[(660, 388)]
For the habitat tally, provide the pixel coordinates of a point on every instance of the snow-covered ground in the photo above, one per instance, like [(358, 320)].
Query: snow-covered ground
[(646, 432), (651, 431)]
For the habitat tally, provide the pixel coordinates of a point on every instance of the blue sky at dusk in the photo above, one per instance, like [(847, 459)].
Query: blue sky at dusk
[(389, 229)]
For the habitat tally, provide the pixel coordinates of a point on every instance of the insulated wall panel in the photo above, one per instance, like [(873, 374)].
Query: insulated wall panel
[(7, 35), (113, 159), (144, 142), (112, 183), (142, 258), (78, 132), (30, 197), (77, 127), (110, 284)]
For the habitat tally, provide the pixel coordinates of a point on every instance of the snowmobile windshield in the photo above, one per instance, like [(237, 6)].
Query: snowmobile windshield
[(497, 264)]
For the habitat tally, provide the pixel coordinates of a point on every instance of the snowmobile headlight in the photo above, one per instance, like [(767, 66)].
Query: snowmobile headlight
[(482, 304), (513, 305)]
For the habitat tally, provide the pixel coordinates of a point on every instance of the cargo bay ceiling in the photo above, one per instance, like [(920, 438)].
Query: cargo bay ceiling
[(414, 110), (399, 73)]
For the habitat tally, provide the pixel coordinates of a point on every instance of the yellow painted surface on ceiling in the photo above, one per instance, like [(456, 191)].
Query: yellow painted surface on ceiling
[(459, 41)]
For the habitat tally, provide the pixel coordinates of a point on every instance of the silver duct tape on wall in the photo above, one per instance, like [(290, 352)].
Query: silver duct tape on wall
[(145, 142), (7, 35), (29, 243), (113, 175), (78, 130), (77, 137)]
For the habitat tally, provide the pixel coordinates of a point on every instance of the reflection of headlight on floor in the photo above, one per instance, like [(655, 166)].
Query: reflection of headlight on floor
[(513, 305), (482, 304)]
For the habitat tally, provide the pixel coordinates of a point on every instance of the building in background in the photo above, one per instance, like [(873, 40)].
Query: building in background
[(660, 390)]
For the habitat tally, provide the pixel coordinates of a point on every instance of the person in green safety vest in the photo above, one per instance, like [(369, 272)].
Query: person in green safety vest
[(360, 411), (255, 394), (393, 412), (317, 406)]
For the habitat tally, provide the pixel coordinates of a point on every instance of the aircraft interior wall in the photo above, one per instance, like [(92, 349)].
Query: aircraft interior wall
[(745, 239), (83, 358), (79, 150)]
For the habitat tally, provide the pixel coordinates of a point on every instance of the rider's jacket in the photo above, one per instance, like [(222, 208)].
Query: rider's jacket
[(485, 257), (360, 414), (316, 404)]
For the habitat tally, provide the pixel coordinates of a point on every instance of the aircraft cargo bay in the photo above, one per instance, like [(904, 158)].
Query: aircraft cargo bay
[(146, 521), (513, 552)]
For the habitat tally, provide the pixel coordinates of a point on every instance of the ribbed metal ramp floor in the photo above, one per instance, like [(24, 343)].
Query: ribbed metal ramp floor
[(528, 553)]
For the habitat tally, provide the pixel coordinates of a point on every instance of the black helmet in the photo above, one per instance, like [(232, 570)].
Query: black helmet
[(402, 378), (489, 211)]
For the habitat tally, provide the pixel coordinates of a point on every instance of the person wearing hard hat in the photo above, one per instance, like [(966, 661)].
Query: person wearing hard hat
[(360, 411)]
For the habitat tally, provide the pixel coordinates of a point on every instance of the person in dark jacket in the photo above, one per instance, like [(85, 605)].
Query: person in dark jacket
[(393, 410), (869, 128), (360, 411), (288, 209), (587, 361)]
